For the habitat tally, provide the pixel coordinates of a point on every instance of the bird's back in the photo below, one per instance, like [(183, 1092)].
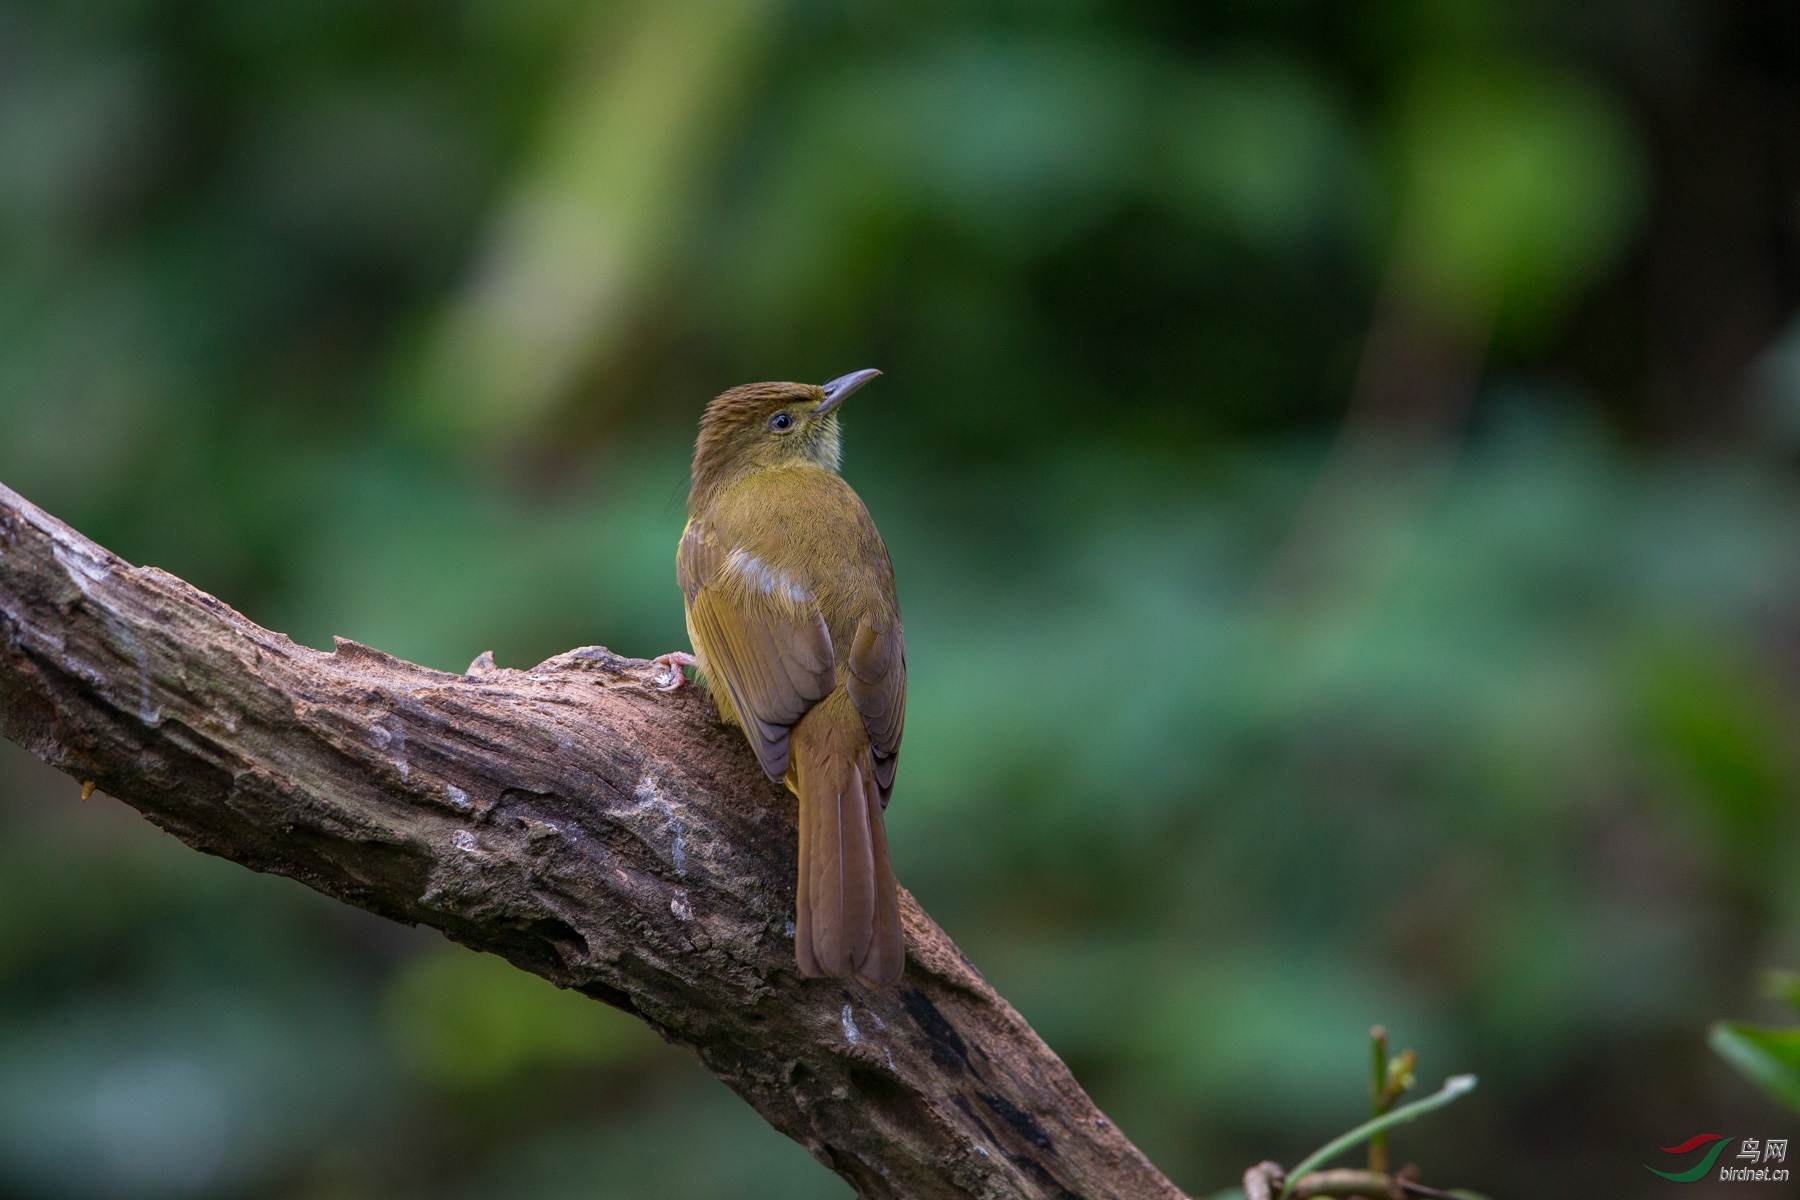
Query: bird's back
[(813, 535)]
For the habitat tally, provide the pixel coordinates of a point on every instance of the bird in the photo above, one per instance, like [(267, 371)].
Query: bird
[(795, 627)]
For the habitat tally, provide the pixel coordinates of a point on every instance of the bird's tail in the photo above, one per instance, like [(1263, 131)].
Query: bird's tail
[(847, 913)]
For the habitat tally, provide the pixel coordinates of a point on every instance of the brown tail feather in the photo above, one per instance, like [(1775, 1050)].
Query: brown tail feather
[(847, 913)]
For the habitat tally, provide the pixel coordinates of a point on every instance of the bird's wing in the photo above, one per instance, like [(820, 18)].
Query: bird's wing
[(877, 686), (762, 638)]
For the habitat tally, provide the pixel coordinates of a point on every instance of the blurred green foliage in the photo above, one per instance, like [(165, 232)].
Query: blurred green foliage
[(1516, 185), (392, 321), (474, 1020), (1766, 1056)]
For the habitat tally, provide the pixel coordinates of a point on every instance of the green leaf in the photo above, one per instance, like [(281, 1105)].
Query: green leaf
[(1454, 1087), (1769, 1058)]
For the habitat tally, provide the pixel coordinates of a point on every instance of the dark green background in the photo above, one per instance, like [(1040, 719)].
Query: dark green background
[(391, 319)]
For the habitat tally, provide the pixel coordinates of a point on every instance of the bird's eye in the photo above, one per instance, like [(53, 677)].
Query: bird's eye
[(781, 422)]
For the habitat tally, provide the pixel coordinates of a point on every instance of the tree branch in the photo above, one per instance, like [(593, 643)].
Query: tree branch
[(571, 819)]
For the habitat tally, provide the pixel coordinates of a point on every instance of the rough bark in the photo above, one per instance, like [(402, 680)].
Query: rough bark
[(570, 818)]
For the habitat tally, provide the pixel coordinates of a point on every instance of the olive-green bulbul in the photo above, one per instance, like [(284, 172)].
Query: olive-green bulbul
[(796, 631)]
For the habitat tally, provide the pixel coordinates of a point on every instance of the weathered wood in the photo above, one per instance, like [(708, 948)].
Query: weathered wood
[(570, 818)]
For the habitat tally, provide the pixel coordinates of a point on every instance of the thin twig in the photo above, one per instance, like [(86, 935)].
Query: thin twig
[(1347, 1181), (1378, 1145), (1455, 1086)]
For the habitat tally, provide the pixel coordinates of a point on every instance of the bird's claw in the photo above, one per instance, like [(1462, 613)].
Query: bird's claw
[(671, 664)]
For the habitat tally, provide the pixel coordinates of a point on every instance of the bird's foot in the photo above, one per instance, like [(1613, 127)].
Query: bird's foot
[(671, 664)]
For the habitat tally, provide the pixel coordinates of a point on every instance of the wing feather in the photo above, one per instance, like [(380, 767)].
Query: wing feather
[(760, 635), (877, 687)]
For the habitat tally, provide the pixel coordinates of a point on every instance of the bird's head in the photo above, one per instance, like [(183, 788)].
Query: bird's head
[(768, 426)]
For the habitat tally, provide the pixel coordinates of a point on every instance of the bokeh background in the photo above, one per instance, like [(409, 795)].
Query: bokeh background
[(1341, 460)]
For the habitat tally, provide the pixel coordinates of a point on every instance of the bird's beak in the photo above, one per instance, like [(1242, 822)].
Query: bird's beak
[(839, 389)]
